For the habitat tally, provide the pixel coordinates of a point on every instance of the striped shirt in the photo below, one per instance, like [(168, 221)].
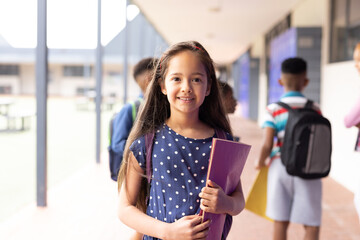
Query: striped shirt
[(276, 117)]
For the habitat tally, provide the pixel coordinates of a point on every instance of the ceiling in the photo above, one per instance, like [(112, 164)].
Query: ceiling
[(224, 27)]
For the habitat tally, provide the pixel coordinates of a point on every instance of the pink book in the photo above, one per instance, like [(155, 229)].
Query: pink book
[(227, 160)]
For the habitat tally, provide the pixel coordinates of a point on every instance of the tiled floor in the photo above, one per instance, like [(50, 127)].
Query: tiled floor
[(84, 207)]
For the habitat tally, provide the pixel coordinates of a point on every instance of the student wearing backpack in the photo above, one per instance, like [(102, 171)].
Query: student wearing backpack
[(352, 119), (289, 198), (184, 111), (123, 121)]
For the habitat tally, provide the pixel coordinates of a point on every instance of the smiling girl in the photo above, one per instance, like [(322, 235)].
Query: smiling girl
[(183, 108)]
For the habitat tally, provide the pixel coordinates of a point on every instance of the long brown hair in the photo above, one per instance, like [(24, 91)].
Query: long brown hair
[(156, 108)]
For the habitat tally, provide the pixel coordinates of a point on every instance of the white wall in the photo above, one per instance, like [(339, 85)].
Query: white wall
[(263, 80), (55, 76), (258, 47), (309, 13), (27, 79), (340, 90)]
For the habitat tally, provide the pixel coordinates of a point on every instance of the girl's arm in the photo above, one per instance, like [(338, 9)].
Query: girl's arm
[(128, 213), (353, 117), (267, 145), (189, 227), (214, 199)]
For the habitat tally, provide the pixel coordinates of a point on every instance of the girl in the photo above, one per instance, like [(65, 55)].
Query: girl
[(183, 107), (353, 119)]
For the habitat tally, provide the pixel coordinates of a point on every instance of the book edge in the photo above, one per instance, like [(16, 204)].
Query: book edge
[(209, 168)]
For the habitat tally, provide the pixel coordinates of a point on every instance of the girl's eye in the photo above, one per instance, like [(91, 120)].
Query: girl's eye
[(176, 79), (196, 80)]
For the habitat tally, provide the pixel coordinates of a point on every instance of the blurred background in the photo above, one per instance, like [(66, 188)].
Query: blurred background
[(247, 40)]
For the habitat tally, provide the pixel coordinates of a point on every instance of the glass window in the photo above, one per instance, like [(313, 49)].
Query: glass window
[(9, 70), (345, 29), (74, 71)]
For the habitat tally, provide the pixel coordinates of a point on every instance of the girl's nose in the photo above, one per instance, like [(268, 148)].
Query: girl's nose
[(186, 87)]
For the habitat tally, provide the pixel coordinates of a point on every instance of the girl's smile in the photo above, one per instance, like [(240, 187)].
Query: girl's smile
[(186, 99), (181, 114), (186, 84)]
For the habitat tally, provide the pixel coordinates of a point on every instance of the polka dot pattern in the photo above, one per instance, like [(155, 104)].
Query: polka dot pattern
[(179, 167)]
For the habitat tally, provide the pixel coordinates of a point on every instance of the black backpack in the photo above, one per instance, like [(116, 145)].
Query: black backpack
[(306, 148), (115, 158)]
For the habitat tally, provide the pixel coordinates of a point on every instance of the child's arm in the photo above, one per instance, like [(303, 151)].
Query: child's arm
[(353, 117), (267, 145), (188, 227), (214, 199)]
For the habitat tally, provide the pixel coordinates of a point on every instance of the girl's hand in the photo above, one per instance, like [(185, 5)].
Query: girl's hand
[(213, 199), (259, 165), (136, 236), (188, 227)]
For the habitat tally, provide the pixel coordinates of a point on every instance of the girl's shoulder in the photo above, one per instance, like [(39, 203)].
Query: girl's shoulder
[(138, 149), (138, 143)]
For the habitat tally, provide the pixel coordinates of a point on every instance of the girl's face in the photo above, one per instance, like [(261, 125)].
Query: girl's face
[(186, 84)]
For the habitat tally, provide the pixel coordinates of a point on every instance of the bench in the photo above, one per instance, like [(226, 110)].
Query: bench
[(84, 103), (19, 121)]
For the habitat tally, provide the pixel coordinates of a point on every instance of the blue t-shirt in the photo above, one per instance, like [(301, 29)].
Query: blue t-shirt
[(179, 168)]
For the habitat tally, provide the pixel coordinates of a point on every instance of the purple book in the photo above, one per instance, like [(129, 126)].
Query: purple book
[(227, 160)]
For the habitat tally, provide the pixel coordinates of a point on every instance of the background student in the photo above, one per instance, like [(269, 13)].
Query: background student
[(183, 107), (123, 121), (228, 97), (229, 101), (353, 119), (289, 198)]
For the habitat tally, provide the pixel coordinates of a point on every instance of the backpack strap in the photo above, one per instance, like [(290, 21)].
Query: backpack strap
[(111, 127), (149, 141), (220, 133), (135, 108), (309, 104), (284, 105)]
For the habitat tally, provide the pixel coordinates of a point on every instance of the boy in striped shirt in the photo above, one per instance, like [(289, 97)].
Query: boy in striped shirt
[(289, 198)]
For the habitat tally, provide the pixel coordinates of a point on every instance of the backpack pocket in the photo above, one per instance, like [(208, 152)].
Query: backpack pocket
[(313, 151), (319, 151)]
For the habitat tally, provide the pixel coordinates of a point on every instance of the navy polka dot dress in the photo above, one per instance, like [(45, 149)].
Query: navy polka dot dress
[(179, 168)]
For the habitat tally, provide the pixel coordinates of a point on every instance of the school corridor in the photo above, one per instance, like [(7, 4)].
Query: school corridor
[(84, 206)]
